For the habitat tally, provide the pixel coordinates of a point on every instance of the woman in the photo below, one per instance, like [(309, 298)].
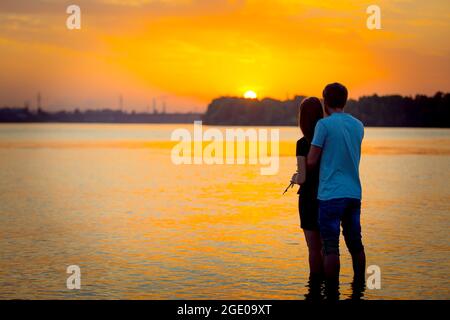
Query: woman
[(309, 113)]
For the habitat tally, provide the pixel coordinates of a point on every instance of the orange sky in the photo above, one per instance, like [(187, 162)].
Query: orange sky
[(186, 52)]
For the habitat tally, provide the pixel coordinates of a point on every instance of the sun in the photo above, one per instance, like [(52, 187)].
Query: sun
[(250, 94)]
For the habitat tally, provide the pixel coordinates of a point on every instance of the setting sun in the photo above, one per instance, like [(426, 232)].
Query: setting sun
[(250, 95)]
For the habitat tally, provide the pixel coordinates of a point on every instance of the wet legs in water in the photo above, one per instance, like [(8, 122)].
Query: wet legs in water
[(315, 265), (332, 267), (315, 252)]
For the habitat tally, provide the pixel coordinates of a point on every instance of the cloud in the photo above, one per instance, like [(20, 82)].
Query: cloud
[(203, 48)]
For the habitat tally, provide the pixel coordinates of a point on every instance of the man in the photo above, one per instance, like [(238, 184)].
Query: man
[(337, 146)]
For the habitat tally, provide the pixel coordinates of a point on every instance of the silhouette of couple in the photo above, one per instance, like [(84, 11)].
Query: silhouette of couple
[(328, 159)]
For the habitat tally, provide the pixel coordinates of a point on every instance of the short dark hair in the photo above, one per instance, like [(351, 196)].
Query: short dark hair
[(335, 95)]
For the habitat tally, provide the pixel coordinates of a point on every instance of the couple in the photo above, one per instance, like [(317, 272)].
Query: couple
[(328, 158)]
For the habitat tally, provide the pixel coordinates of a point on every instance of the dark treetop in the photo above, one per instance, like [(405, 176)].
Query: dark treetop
[(388, 111)]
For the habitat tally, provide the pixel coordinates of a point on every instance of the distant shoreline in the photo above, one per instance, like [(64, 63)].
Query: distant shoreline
[(25, 115), (374, 111), (212, 125)]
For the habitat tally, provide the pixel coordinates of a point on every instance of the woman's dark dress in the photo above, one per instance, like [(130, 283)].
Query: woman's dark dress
[(308, 205)]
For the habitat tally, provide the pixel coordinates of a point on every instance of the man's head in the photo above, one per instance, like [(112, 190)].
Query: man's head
[(334, 96)]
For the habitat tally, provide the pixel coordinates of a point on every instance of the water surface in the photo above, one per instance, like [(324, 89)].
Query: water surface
[(108, 198)]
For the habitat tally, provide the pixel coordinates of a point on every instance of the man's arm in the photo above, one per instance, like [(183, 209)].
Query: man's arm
[(313, 158), (318, 142)]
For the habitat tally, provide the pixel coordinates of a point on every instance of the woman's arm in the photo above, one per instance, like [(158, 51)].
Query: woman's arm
[(300, 176)]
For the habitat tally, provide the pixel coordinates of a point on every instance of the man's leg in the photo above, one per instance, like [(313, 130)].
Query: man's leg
[(331, 266), (330, 213), (351, 226)]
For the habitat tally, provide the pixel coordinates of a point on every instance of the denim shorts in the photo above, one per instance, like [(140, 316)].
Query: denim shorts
[(334, 212)]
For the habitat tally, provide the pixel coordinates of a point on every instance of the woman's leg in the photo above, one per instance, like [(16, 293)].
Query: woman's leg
[(315, 252)]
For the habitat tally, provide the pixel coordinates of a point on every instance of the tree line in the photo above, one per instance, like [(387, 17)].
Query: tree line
[(375, 110)]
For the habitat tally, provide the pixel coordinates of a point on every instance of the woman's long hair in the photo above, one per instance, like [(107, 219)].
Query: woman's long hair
[(310, 112)]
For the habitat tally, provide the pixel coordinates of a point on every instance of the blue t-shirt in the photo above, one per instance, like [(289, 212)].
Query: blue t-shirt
[(340, 136)]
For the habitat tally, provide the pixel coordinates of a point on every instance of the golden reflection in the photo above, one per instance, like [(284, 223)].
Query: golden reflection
[(141, 227)]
